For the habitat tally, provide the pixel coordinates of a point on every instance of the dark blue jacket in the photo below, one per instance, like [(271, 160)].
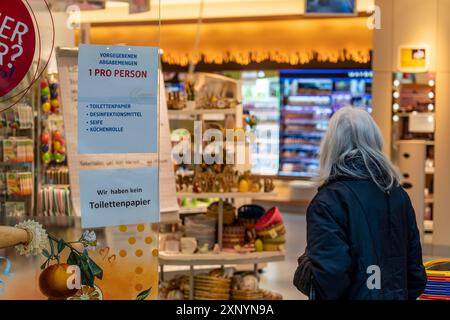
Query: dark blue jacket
[(352, 225)]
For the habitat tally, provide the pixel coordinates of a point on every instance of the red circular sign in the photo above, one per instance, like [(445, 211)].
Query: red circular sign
[(17, 44)]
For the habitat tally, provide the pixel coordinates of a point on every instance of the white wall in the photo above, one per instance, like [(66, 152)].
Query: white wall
[(441, 236), (64, 37), (418, 22)]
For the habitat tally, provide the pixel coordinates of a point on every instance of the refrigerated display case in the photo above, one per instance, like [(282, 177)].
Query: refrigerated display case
[(308, 100), (261, 99)]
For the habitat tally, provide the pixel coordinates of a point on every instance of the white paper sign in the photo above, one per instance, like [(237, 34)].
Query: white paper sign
[(68, 76), (120, 187)]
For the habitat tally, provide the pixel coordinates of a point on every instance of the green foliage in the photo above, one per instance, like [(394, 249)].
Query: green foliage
[(88, 268), (144, 294)]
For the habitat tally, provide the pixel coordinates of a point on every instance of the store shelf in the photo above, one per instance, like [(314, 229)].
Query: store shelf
[(225, 195), (304, 160), (185, 269), (311, 95), (201, 209), (304, 122), (195, 112), (428, 225), (288, 133), (296, 174), (223, 258), (306, 147), (169, 217), (429, 200), (20, 163)]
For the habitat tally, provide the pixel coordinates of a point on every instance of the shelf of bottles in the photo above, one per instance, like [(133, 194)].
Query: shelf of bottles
[(308, 100)]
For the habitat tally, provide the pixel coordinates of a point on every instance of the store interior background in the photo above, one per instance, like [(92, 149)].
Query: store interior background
[(267, 45)]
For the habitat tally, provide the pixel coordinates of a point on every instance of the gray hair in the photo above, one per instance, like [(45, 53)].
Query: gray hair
[(352, 147)]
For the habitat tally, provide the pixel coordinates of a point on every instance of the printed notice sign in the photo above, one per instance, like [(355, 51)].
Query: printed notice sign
[(110, 197), (413, 58), (117, 99), (113, 134)]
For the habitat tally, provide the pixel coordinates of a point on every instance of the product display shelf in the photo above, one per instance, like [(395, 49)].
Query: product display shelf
[(308, 99), (223, 196), (195, 112), (19, 204), (53, 196), (170, 217), (192, 210), (428, 226), (413, 134), (233, 118), (222, 258), (210, 259), (206, 114)]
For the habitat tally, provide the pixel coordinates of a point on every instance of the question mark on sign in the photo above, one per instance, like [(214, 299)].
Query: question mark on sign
[(4, 50), (16, 55), (6, 273)]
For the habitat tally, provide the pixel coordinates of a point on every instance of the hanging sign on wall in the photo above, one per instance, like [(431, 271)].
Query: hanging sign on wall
[(413, 58), (17, 44)]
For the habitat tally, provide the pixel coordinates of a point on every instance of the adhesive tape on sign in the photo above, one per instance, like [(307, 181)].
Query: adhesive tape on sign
[(17, 44)]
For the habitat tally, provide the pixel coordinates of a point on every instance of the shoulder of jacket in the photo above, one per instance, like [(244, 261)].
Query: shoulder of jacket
[(332, 195), (332, 188), (334, 198)]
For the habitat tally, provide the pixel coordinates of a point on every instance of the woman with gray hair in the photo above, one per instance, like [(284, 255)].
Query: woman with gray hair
[(362, 237)]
